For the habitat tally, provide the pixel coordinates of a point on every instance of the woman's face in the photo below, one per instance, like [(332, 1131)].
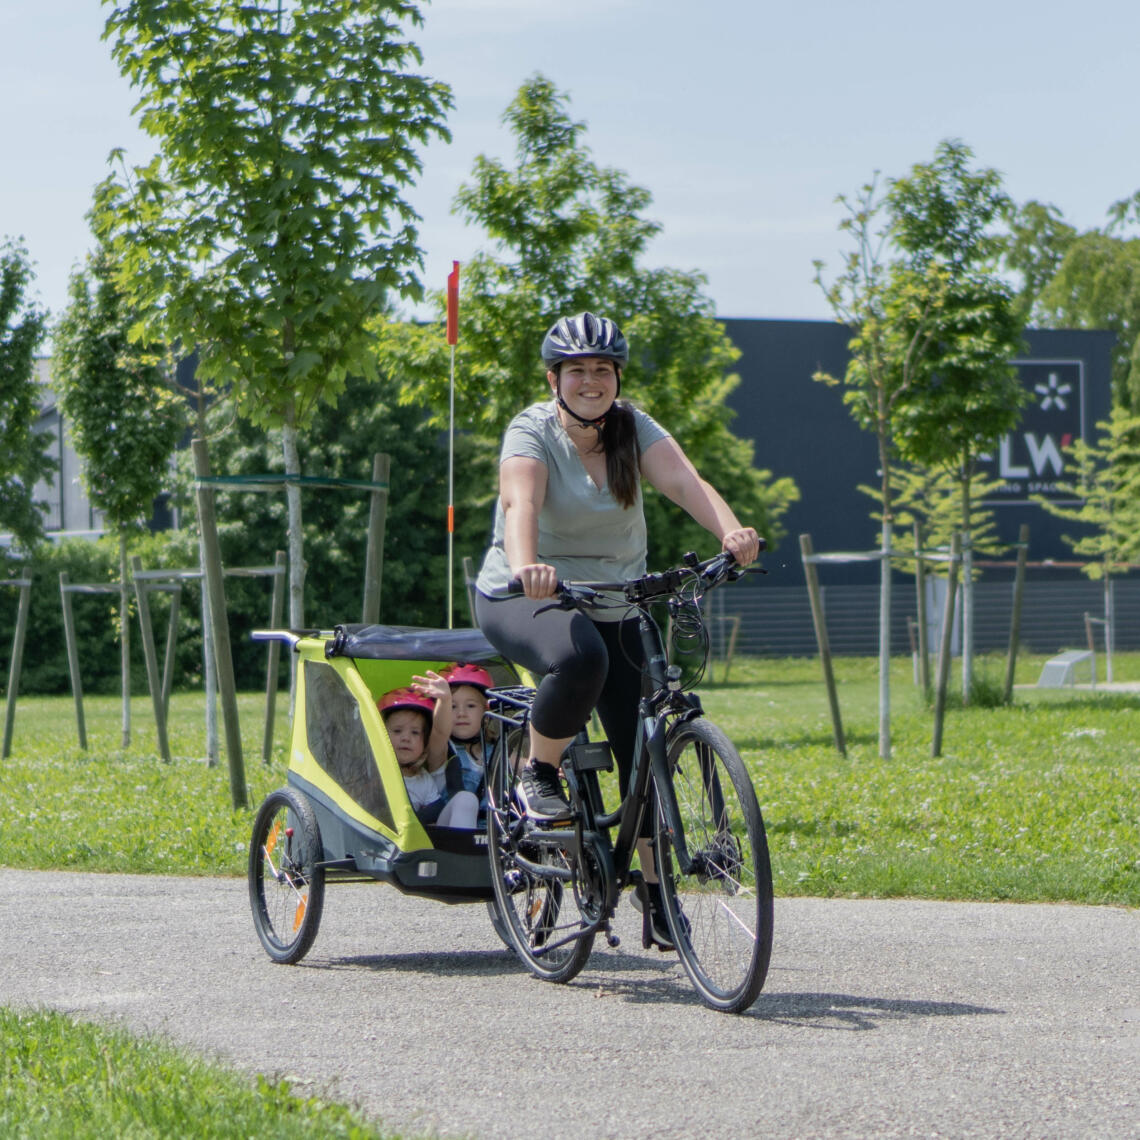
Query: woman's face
[(589, 385), (406, 730), (467, 707)]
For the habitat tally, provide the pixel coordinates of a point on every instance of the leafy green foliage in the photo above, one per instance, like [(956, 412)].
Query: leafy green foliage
[(569, 235), (1097, 286), (1033, 249), (97, 616), (934, 327), (273, 222), (969, 393), (123, 418), (1108, 483), (23, 452), (340, 444), (932, 498)]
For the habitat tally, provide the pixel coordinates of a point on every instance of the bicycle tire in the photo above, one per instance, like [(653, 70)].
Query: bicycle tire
[(530, 907), (286, 886), (720, 915)]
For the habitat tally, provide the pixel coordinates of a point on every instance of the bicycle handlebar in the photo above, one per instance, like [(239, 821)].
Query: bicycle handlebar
[(709, 573)]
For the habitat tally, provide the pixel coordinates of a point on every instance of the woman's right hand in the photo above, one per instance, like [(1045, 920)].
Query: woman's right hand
[(538, 580)]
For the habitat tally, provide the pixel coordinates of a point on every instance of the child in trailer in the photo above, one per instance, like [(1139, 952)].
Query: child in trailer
[(418, 720), (469, 685)]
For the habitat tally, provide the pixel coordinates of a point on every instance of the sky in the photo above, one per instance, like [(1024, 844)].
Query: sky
[(744, 119)]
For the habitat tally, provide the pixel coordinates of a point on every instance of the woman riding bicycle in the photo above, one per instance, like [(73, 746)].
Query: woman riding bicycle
[(570, 507)]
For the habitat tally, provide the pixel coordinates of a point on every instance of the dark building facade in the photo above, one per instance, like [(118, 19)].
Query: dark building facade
[(801, 428)]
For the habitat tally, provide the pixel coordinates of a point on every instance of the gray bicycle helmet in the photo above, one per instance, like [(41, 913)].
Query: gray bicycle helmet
[(584, 335)]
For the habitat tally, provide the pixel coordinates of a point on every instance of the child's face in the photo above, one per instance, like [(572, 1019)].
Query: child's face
[(467, 707), (407, 730)]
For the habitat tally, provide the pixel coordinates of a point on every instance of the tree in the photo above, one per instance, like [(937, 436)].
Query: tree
[(123, 419), (24, 457), (1033, 249), (934, 328), (273, 222), (931, 497), (891, 315), (1108, 487), (569, 235), (1097, 286), (943, 217)]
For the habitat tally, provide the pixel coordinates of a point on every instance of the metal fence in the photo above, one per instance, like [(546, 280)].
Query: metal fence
[(776, 621)]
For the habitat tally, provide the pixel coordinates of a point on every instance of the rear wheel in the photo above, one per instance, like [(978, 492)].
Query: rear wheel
[(720, 910), (286, 886), (536, 911)]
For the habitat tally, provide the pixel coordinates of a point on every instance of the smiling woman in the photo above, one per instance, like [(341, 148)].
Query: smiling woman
[(570, 507)]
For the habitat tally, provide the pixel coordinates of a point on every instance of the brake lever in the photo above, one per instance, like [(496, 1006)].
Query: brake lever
[(558, 605)]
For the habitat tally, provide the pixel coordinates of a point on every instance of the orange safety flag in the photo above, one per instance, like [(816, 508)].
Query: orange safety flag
[(453, 304)]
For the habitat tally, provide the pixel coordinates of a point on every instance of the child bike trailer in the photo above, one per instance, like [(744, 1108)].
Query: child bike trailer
[(344, 814)]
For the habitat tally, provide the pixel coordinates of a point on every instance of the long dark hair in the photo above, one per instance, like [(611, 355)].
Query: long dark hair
[(618, 439)]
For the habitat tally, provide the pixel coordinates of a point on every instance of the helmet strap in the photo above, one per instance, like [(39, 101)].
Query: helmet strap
[(595, 423), (598, 423)]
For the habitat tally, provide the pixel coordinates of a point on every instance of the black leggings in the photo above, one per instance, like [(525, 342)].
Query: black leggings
[(583, 665)]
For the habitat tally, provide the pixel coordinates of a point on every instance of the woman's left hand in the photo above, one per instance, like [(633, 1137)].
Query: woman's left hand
[(743, 544)]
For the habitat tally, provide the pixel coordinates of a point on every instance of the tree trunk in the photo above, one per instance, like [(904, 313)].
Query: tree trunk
[(1109, 626), (885, 590), (885, 646), (125, 638), (967, 593)]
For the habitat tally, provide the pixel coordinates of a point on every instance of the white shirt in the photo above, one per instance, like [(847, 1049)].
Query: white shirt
[(422, 788)]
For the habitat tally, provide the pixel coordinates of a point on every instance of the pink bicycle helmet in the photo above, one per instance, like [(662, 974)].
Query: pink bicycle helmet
[(474, 675), (405, 699)]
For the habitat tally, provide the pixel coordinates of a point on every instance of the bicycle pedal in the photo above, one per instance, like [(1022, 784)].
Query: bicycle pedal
[(554, 824)]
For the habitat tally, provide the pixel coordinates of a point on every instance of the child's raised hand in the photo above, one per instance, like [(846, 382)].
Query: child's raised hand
[(431, 684)]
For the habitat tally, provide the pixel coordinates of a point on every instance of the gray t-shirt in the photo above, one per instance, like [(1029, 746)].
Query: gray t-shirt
[(583, 531)]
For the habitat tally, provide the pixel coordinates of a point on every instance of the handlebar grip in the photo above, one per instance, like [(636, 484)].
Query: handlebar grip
[(515, 586)]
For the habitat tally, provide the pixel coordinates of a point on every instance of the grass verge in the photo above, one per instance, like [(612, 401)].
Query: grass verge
[(65, 1080), (1034, 801)]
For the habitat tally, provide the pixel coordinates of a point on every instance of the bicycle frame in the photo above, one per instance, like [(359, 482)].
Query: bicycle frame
[(664, 705)]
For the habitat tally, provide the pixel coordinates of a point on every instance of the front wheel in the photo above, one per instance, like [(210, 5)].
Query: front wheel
[(720, 909), (286, 884)]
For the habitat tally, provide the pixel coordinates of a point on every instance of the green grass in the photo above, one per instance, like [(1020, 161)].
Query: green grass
[(1031, 802), (110, 809), (64, 1080), (1035, 801)]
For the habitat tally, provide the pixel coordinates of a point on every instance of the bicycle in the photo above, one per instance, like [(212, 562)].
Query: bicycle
[(710, 848)]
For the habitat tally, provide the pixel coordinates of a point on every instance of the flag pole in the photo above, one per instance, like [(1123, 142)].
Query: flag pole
[(452, 339)]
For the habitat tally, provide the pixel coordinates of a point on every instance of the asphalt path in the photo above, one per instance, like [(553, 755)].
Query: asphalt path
[(879, 1019)]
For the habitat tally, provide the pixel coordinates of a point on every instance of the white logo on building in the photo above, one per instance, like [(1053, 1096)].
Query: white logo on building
[(1054, 393)]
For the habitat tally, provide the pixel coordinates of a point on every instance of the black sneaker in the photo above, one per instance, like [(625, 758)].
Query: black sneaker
[(541, 794)]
